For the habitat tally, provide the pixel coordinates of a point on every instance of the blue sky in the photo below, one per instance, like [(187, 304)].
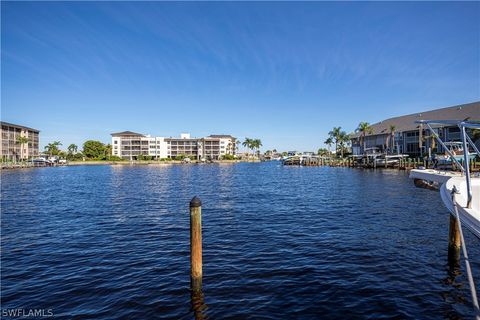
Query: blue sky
[(282, 72)]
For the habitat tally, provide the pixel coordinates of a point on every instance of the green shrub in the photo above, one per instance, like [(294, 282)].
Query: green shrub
[(115, 158), (75, 157), (228, 157)]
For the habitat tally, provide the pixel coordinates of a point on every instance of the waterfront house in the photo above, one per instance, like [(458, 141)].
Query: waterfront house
[(130, 145), (10, 147), (409, 137)]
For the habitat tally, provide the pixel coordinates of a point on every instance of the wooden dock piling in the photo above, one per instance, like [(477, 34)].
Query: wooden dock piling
[(196, 244), (454, 242)]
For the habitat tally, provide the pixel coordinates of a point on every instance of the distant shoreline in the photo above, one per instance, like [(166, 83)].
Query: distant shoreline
[(152, 162), (126, 163)]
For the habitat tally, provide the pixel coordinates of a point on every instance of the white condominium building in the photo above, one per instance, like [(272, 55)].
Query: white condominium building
[(129, 145)]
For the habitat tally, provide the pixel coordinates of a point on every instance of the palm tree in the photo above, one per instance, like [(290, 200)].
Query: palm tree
[(237, 146), (248, 143), (323, 152), (72, 149), (257, 143), (52, 148), (364, 128), (343, 139), (335, 134), (49, 149), (329, 143), (22, 141), (475, 135), (392, 137), (252, 144)]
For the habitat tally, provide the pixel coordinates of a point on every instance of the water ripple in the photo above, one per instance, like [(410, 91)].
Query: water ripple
[(109, 242)]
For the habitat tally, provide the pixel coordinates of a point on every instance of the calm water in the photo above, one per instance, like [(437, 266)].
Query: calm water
[(279, 242)]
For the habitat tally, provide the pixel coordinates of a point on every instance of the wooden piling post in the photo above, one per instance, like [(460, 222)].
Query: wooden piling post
[(454, 241), (196, 244)]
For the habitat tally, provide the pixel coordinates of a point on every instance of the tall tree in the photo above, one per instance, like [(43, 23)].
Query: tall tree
[(323, 152), (72, 149), (335, 135), (343, 139), (53, 148), (93, 149), (475, 135), (22, 141), (249, 143), (392, 137), (257, 143), (108, 151), (329, 143), (364, 128)]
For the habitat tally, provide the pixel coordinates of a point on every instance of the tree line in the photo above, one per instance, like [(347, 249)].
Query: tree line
[(91, 150), (342, 140), (253, 145), (96, 150)]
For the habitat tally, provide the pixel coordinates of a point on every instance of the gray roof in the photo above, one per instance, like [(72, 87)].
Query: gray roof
[(469, 111), (18, 126), (128, 133), (225, 136)]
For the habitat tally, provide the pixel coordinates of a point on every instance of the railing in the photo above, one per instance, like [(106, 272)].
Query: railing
[(466, 141)]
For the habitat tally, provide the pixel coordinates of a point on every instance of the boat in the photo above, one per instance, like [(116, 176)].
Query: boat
[(457, 189), (301, 159), (460, 193), (386, 160), (469, 211), (42, 160), (456, 152), (375, 158)]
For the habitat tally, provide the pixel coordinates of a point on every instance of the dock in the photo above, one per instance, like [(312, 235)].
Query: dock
[(403, 163)]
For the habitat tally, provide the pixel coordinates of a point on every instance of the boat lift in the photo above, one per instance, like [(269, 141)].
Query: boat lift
[(466, 141)]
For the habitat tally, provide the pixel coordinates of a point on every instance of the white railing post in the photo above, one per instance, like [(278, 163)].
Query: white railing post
[(466, 159)]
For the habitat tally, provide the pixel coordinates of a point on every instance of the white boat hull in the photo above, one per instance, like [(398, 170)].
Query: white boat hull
[(470, 217)]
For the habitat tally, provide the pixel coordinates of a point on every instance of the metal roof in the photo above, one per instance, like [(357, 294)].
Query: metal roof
[(469, 111), (128, 133)]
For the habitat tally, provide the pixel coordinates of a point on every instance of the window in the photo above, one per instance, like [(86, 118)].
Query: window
[(412, 134), (412, 148)]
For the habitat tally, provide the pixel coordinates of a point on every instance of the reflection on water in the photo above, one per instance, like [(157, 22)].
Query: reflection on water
[(278, 242), (198, 305)]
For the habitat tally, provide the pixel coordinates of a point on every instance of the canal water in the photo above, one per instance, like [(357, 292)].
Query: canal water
[(110, 242)]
